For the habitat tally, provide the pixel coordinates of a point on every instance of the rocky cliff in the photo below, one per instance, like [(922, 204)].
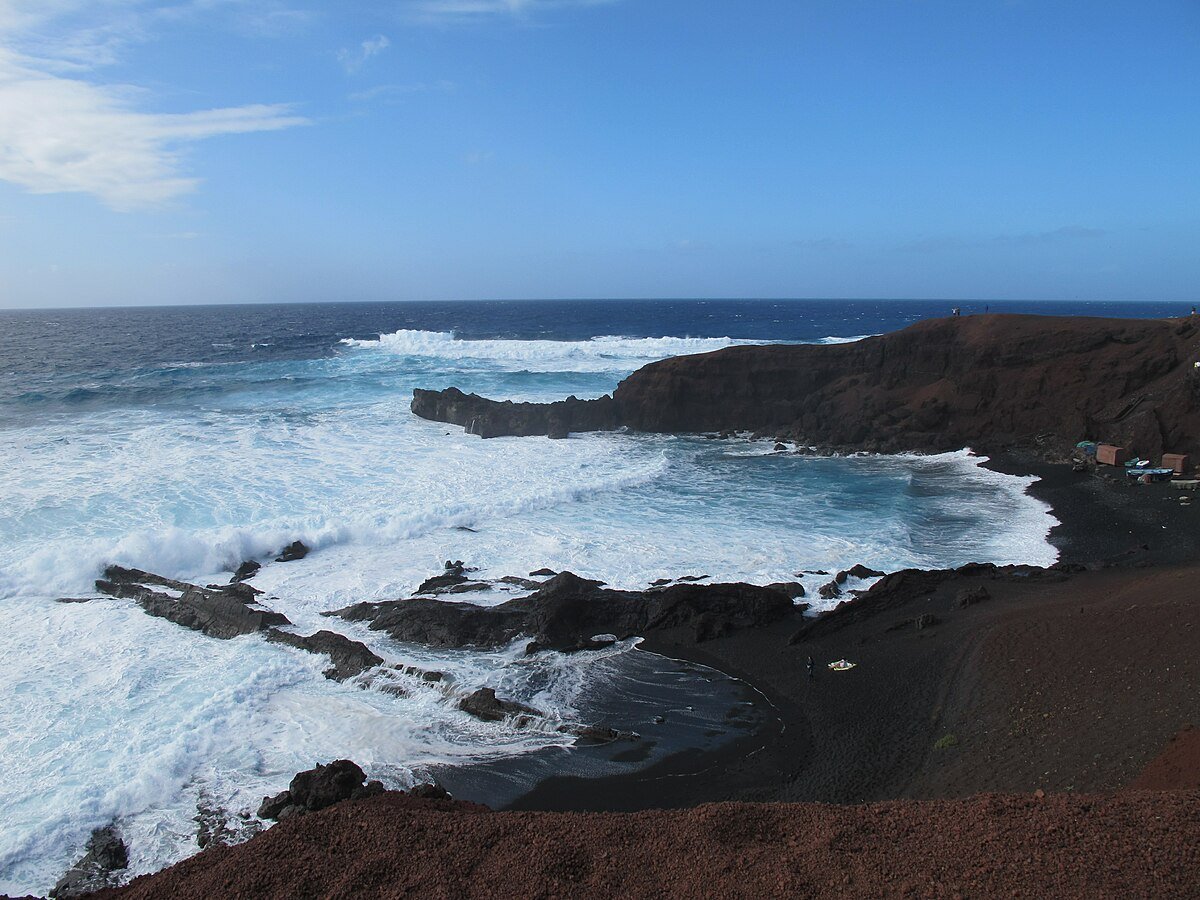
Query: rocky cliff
[(991, 382)]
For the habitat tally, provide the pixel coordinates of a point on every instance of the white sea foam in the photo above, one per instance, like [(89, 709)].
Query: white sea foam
[(599, 354)]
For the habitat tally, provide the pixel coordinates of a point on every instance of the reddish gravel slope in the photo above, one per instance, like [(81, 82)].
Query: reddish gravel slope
[(1134, 844)]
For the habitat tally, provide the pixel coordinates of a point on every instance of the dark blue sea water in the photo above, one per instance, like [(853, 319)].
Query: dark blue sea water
[(185, 440)]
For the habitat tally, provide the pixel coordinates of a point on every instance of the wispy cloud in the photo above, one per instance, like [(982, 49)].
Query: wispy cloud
[(390, 93), (61, 131), (468, 10), (353, 59)]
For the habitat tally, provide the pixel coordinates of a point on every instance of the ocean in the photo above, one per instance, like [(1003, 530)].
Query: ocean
[(185, 440)]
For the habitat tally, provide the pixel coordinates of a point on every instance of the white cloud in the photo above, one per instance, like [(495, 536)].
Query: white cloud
[(61, 134), (353, 60), (466, 10)]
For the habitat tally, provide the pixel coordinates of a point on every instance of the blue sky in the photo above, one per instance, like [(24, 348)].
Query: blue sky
[(284, 150)]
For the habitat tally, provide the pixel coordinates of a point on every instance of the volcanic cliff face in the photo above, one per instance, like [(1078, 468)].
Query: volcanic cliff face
[(990, 382)]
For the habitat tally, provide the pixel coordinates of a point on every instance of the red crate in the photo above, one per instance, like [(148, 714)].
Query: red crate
[(1108, 455), (1180, 462)]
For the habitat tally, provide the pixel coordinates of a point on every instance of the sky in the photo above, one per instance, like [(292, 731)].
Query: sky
[(217, 151)]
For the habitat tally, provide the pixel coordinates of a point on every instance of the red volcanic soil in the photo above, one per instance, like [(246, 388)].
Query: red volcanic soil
[(1176, 768), (1134, 844)]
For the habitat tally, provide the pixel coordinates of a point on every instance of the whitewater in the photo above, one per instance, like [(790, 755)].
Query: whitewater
[(188, 461)]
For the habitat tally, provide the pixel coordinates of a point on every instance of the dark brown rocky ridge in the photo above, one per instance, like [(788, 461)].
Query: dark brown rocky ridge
[(989, 381)]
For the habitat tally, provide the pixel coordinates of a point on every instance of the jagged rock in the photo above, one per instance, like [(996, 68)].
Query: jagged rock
[(316, 789), (223, 612), (779, 447), (106, 855), (247, 593), (861, 571), (248, 569), (926, 620), (598, 734), (466, 587), (792, 589), (215, 827), (526, 583), (485, 705), (567, 611), (830, 590), (349, 657), (293, 551), (490, 418), (437, 583), (592, 643)]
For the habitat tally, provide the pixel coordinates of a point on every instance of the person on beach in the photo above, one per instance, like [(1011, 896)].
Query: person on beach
[(812, 669)]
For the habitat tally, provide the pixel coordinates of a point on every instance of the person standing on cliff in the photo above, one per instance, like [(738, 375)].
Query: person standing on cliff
[(812, 669)]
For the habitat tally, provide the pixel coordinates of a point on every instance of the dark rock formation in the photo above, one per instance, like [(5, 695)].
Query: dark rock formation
[(898, 589), (248, 569), (791, 589), (318, 788), (542, 573), (990, 382), (224, 611), (293, 551), (444, 582), (830, 590), (861, 571), (484, 704), (490, 418), (567, 611), (106, 855), (349, 657)]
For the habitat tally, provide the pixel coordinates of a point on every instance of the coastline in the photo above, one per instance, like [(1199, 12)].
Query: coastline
[(1113, 529)]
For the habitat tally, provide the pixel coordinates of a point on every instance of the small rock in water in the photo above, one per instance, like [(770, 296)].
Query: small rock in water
[(861, 571), (830, 590), (485, 705), (293, 551), (780, 447), (248, 569), (106, 855), (542, 573)]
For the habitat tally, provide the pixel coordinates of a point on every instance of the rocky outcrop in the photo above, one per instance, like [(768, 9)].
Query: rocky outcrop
[(318, 788), (900, 589), (292, 552), (220, 611), (491, 418), (349, 658), (483, 704), (989, 382), (106, 856), (567, 612)]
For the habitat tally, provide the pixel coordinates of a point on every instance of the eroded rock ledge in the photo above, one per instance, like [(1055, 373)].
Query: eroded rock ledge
[(990, 382), (568, 612)]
